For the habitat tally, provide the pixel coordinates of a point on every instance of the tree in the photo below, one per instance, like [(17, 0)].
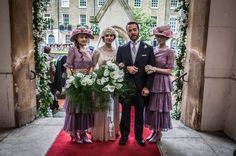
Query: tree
[(146, 24)]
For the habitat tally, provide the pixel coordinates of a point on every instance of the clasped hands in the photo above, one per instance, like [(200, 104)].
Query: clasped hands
[(132, 69), (150, 69)]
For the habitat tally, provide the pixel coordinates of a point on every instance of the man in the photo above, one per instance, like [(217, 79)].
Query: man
[(135, 55)]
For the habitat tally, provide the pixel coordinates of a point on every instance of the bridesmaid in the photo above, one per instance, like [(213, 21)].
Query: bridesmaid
[(157, 113), (106, 124), (78, 60)]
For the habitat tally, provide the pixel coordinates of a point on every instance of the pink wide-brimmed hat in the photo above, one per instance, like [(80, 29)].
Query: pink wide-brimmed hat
[(81, 30), (163, 31)]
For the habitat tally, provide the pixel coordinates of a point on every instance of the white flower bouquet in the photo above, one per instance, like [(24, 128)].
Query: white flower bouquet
[(79, 87), (110, 81)]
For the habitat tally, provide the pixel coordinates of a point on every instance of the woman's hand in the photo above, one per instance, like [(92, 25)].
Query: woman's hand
[(150, 69)]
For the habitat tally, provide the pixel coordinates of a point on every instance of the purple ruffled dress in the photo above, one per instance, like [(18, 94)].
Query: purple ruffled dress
[(74, 119), (157, 113)]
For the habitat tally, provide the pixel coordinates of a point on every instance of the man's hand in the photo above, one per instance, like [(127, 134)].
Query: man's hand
[(132, 69), (145, 91)]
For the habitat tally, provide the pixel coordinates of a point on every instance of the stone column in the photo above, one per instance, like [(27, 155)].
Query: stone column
[(195, 61)]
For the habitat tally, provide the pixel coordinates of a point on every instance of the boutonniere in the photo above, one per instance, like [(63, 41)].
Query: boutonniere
[(145, 46)]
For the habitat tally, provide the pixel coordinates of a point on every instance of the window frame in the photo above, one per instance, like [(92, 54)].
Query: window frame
[(63, 19), (63, 2), (138, 6), (98, 3), (81, 18), (83, 6), (176, 24), (156, 6), (67, 38), (173, 7)]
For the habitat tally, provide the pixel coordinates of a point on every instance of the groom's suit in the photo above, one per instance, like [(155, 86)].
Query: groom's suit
[(145, 56)]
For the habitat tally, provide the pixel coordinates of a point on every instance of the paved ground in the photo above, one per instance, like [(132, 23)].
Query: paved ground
[(36, 138)]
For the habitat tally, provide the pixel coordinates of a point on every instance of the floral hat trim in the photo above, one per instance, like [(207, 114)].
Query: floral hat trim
[(81, 30), (164, 30)]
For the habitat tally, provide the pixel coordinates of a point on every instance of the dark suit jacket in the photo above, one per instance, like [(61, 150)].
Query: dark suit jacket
[(145, 56)]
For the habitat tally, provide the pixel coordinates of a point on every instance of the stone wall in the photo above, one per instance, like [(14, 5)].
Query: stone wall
[(219, 102)]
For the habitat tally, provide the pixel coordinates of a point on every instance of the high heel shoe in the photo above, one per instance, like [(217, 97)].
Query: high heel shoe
[(74, 138), (156, 137), (150, 136), (85, 138)]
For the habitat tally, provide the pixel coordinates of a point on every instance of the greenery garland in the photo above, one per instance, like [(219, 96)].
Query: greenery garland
[(44, 98), (183, 10)]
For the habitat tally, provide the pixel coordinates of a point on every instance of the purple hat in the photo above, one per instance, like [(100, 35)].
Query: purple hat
[(163, 31), (81, 30)]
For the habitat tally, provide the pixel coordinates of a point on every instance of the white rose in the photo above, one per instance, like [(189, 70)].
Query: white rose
[(99, 81), (114, 75), (105, 89), (106, 72), (110, 88), (80, 75)]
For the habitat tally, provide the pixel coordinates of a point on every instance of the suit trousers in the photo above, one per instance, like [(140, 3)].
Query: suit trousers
[(138, 101)]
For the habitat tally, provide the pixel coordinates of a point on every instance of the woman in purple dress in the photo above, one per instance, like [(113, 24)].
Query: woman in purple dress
[(78, 60), (157, 113)]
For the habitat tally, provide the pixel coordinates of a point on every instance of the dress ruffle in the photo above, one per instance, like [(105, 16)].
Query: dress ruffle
[(75, 120), (160, 102), (157, 121)]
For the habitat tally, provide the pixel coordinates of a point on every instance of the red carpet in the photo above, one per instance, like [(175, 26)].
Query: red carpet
[(64, 147)]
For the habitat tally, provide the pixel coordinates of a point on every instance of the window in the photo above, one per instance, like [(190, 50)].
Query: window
[(65, 19), (67, 38), (173, 44), (154, 4), (51, 39), (65, 3), (156, 21), (100, 3), (83, 19), (173, 4), (83, 3), (49, 21), (137, 3), (173, 23)]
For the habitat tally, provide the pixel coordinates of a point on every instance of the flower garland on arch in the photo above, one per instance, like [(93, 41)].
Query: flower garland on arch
[(183, 10), (44, 98)]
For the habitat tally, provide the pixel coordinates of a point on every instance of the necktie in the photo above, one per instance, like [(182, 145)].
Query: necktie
[(134, 51), (134, 48)]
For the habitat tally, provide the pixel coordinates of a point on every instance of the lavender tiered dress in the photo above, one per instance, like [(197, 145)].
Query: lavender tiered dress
[(157, 113), (74, 119)]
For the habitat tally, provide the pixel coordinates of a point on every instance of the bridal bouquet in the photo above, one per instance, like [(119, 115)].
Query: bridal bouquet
[(110, 81), (79, 87)]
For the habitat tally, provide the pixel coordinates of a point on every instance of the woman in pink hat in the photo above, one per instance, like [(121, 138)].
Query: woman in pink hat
[(157, 113), (78, 60)]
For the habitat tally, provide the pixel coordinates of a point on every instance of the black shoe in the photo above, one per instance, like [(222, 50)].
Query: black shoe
[(140, 141), (123, 140)]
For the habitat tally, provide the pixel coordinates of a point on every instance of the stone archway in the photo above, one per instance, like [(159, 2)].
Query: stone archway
[(121, 32)]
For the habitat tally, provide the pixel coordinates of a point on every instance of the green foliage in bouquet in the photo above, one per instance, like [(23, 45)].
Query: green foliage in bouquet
[(79, 87), (107, 81), (110, 81)]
